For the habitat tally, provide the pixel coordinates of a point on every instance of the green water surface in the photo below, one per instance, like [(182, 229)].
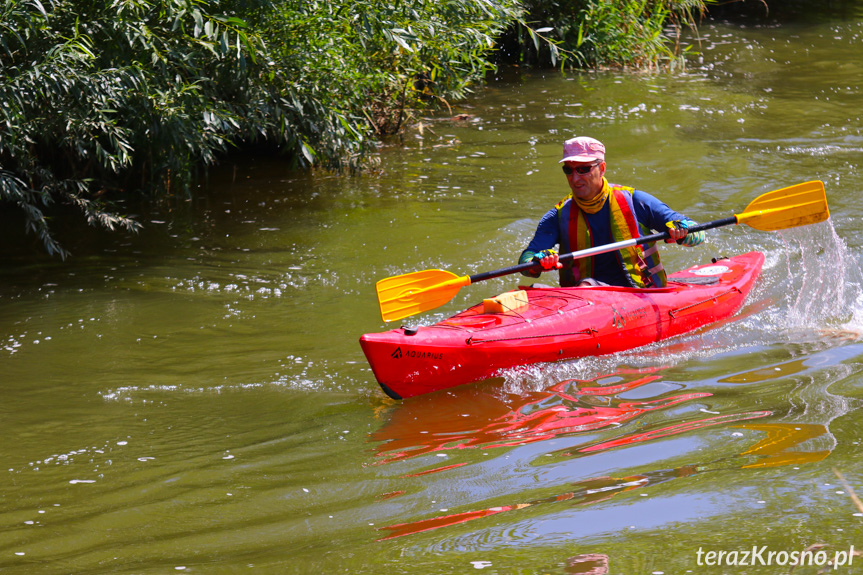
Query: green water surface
[(194, 399)]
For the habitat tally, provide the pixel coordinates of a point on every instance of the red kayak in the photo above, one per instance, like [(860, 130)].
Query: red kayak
[(551, 324)]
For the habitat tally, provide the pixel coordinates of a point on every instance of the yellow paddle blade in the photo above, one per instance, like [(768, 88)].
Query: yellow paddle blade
[(789, 207), (413, 293)]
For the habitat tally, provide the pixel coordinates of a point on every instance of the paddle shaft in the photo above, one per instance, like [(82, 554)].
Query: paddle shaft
[(536, 266), (413, 293)]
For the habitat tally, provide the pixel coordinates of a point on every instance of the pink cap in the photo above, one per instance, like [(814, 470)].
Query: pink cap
[(583, 149)]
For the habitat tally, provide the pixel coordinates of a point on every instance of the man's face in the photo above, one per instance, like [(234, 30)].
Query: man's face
[(585, 185)]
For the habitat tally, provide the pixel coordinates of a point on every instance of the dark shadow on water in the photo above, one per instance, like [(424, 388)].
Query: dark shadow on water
[(763, 12)]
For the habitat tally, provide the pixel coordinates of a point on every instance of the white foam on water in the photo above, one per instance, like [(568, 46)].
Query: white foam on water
[(826, 294)]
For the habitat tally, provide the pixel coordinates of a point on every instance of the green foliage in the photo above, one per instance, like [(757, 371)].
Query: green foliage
[(374, 60), (107, 99), (601, 33), (102, 99)]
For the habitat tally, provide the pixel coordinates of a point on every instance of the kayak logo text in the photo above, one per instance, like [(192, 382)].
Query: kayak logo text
[(620, 318), (398, 354)]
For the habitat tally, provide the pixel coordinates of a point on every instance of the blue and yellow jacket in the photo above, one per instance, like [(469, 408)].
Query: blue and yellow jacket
[(572, 230)]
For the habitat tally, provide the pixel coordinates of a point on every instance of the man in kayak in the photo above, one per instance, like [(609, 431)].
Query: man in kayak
[(598, 213)]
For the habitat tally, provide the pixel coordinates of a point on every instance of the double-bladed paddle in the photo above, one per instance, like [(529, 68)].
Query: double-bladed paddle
[(416, 292)]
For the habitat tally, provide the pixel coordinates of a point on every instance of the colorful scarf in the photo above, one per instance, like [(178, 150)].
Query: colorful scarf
[(594, 204)]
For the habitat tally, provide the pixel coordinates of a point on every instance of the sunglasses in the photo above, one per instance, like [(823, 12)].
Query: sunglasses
[(581, 170)]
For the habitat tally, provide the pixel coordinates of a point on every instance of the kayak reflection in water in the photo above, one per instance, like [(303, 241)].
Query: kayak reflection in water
[(567, 408), (781, 446), (597, 213)]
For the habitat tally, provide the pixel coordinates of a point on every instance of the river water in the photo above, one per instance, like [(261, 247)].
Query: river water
[(194, 398)]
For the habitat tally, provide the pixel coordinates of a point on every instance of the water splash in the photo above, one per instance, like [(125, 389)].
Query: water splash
[(827, 294)]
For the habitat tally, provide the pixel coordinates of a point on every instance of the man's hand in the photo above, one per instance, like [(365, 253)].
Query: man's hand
[(548, 259), (679, 232)]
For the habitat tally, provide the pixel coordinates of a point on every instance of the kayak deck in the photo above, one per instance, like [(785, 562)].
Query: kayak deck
[(556, 324)]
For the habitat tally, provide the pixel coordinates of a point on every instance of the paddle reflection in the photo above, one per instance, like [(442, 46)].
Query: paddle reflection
[(782, 443), (464, 419)]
